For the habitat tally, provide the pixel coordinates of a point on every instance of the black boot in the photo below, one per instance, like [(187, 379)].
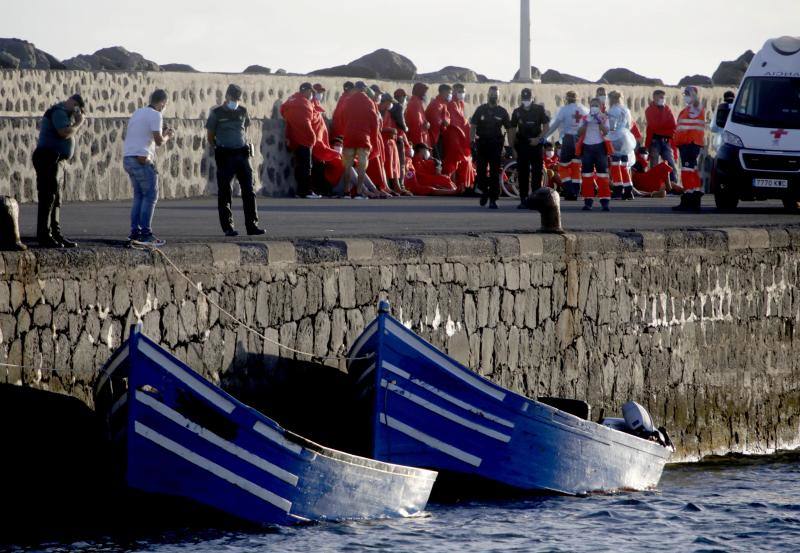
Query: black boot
[(616, 192), (627, 193), (605, 203), (684, 205), (587, 204), (695, 201)]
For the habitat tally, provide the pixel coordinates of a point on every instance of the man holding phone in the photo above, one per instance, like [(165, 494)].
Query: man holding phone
[(144, 133), (56, 144)]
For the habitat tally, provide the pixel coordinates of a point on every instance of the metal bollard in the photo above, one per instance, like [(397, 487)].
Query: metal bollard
[(9, 225), (548, 203)]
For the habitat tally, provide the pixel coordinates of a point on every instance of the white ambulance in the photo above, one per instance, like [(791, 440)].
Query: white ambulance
[(760, 154)]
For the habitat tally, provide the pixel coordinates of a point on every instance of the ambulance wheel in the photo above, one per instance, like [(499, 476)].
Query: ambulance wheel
[(725, 199), (509, 181)]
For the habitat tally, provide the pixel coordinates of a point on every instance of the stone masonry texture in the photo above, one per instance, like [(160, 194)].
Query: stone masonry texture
[(699, 326), (186, 168)]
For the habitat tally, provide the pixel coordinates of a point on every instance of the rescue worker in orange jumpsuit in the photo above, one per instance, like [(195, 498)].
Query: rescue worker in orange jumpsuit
[(690, 135), (594, 157), (438, 117), (416, 121), (298, 112), (360, 121), (457, 147), (569, 119), (427, 178)]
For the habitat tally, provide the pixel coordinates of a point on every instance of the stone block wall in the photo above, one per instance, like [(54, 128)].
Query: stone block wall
[(96, 172), (699, 326)]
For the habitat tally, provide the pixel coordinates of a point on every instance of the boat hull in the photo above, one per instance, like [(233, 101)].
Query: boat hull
[(177, 434), (427, 410)]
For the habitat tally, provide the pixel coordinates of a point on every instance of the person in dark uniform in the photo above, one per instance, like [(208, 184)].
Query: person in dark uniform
[(488, 126), (528, 123), (56, 144), (227, 125)]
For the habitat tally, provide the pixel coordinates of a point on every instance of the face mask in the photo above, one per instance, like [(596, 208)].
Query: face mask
[(449, 97), (603, 99), (338, 149), (527, 103), (318, 96), (493, 100), (426, 155), (645, 157), (594, 110), (661, 102), (231, 105), (550, 153), (688, 100), (424, 97), (461, 96)]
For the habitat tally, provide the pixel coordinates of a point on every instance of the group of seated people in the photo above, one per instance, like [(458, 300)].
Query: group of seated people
[(379, 145)]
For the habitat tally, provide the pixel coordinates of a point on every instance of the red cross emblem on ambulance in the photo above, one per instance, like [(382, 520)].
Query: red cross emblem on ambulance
[(778, 133)]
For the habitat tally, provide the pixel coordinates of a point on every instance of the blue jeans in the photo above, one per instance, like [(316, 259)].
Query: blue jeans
[(661, 148), (144, 180)]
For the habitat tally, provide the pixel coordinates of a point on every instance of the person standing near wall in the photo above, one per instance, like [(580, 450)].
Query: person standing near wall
[(416, 121), (528, 123), (56, 144), (487, 129), (227, 134), (298, 113), (144, 133), (660, 130), (690, 136), (624, 143), (594, 156), (569, 119), (438, 117)]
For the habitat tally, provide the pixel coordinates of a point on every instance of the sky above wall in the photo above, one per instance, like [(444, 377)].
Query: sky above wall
[(663, 39)]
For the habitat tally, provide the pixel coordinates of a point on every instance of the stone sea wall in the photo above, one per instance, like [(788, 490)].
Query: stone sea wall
[(699, 326), (96, 174)]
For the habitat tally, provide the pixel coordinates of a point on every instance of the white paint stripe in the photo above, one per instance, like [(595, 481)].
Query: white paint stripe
[(276, 437), (196, 385), (210, 437), (445, 413), (366, 373), (365, 336), (468, 458), (447, 397), (412, 341), (123, 355), (396, 370), (212, 467), (123, 399)]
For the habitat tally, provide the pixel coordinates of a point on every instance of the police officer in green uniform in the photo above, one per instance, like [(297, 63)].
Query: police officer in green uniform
[(488, 126), (227, 126), (56, 144), (528, 122)]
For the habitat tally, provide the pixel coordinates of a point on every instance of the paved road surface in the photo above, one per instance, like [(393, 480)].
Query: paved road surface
[(196, 219)]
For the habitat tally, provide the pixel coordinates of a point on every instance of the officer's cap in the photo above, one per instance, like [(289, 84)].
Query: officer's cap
[(78, 99), (234, 92), (306, 86), (386, 97), (375, 88), (361, 85), (526, 94)]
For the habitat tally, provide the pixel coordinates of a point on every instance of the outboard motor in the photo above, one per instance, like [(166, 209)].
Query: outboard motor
[(640, 423)]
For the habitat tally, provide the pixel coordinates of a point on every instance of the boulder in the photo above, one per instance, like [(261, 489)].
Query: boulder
[(281, 72), (551, 76), (115, 58), (350, 71), (257, 70), (28, 55), (620, 76), (7, 61), (450, 74), (696, 80), (387, 65), (535, 74), (179, 68), (730, 73)]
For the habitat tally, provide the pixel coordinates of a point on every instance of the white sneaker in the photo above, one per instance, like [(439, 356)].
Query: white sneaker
[(313, 196)]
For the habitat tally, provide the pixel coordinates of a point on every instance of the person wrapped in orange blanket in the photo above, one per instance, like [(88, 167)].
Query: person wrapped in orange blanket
[(457, 162), (424, 176), (649, 181), (416, 121), (551, 163)]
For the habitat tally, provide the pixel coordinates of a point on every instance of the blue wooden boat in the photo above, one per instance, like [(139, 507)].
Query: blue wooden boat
[(427, 410), (178, 435)]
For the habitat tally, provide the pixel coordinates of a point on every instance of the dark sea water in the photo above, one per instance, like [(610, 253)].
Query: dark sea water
[(743, 504)]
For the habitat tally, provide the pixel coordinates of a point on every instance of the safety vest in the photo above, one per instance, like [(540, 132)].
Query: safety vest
[(691, 130)]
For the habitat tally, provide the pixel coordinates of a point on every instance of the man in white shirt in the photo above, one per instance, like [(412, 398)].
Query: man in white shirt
[(569, 120), (144, 133), (594, 156)]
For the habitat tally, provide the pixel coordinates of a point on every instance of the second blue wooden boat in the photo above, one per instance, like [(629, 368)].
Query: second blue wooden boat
[(427, 410), (178, 435)]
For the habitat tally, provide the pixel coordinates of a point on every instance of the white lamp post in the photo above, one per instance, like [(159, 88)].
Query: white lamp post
[(525, 42)]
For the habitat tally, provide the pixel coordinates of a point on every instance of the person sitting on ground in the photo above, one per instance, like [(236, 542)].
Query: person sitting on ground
[(551, 164), (334, 172), (649, 181), (427, 178)]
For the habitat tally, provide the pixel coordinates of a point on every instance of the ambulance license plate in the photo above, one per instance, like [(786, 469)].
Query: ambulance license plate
[(771, 183)]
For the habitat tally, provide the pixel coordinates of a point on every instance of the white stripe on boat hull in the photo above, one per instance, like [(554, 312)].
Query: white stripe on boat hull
[(219, 471), (123, 355), (161, 360), (445, 413), (276, 437), (401, 333), (123, 399), (430, 441), (212, 438)]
